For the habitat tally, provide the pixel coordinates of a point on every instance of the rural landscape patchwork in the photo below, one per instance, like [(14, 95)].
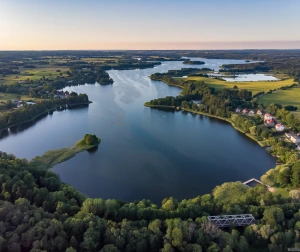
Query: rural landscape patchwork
[(149, 126)]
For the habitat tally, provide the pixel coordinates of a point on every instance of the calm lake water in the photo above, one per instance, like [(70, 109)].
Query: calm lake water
[(144, 153)]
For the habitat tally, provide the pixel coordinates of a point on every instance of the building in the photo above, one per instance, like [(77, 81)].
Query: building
[(295, 139), (197, 102), (292, 138), (260, 112), (251, 112), (269, 123), (245, 111), (279, 127), (268, 117), (238, 110)]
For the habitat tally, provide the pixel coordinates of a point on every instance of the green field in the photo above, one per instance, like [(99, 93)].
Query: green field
[(8, 96), (34, 74), (284, 97), (254, 86), (100, 59)]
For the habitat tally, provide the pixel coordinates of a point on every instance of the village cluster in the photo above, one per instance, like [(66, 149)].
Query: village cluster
[(55, 94), (270, 121)]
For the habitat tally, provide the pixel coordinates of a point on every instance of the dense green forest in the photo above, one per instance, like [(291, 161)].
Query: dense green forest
[(195, 62), (29, 112), (39, 213)]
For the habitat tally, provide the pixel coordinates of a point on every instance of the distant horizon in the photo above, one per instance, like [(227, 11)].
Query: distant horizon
[(149, 25), (187, 46)]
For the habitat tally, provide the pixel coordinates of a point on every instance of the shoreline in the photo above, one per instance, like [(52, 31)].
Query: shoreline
[(43, 113), (261, 144)]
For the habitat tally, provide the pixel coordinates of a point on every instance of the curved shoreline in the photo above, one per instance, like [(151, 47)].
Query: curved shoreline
[(213, 116), (43, 113)]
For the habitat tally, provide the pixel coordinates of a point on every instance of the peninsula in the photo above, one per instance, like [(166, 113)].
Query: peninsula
[(53, 157)]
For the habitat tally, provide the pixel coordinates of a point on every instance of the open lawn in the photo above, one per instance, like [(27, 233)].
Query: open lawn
[(8, 96), (254, 86), (34, 74), (284, 97)]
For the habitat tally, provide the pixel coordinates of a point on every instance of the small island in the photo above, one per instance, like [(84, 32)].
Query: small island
[(53, 157), (196, 62)]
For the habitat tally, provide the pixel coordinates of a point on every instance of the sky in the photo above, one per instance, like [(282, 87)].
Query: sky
[(155, 24)]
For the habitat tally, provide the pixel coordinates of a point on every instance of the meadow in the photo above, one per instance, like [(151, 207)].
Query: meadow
[(286, 97), (9, 96), (254, 86), (34, 74)]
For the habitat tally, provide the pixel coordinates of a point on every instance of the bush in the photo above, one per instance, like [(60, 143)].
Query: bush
[(91, 139)]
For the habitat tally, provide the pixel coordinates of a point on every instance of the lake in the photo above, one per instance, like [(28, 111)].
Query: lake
[(144, 153)]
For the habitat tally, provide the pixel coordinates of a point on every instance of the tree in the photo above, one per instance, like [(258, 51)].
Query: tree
[(167, 248), (229, 192), (227, 249), (91, 238), (109, 248), (169, 204), (177, 237), (273, 216), (295, 195)]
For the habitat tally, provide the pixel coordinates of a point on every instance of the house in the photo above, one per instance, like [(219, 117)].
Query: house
[(268, 117), (197, 102), (295, 139), (238, 110), (269, 123), (279, 127), (251, 112), (260, 112), (245, 111)]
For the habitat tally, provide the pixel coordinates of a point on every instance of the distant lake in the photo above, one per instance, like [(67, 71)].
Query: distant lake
[(144, 153), (251, 77)]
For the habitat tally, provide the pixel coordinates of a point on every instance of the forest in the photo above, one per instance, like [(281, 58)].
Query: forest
[(30, 112), (39, 213)]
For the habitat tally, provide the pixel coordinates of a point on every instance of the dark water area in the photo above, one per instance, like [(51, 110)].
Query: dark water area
[(144, 152)]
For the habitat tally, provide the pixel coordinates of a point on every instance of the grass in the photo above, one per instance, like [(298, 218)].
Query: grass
[(281, 191), (289, 96), (34, 74), (286, 97), (53, 157), (8, 96), (254, 86)]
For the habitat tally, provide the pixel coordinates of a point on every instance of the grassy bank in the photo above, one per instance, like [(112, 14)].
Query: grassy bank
[(53, 157)]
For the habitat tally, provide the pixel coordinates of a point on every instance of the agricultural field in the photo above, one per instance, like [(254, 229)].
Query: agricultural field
[(100, 59), (50, 72), (254, 86), (8, 96), (284, 97)]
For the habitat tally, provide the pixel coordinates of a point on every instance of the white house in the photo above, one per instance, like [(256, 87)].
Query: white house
[(245, 110), (251, 112), (268, 117), (295, 139), (238, 110), (279, 127), (260, 112)]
